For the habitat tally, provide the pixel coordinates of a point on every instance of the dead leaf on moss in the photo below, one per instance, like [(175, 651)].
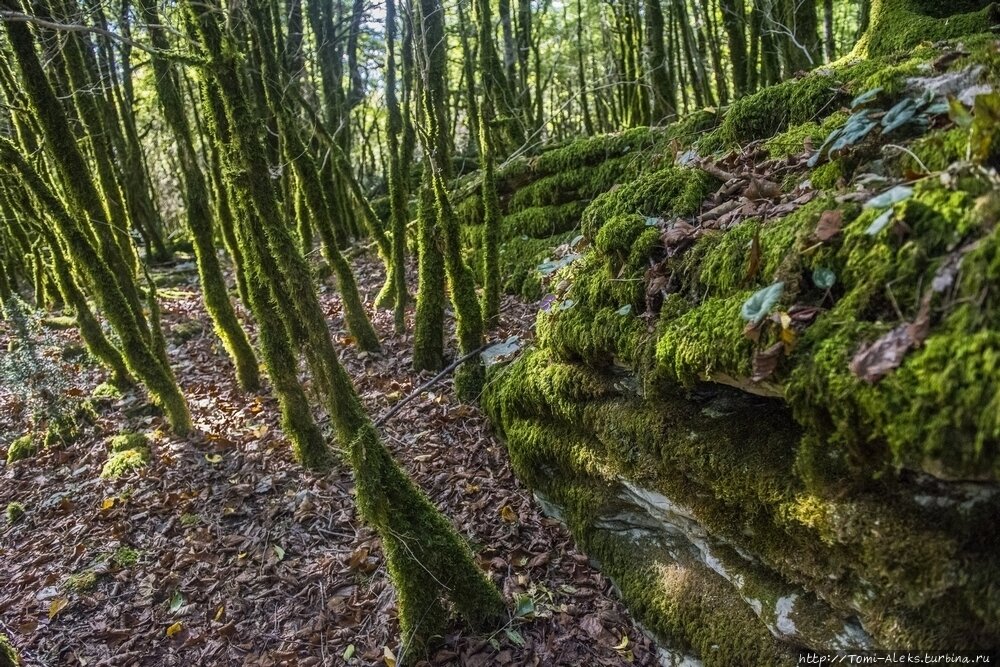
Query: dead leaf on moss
[(765, 363), (829, 225)]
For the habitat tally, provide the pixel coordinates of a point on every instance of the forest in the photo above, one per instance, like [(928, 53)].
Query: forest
[(499, 332)]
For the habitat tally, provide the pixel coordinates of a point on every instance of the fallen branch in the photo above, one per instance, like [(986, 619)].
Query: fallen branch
[(430, 383)]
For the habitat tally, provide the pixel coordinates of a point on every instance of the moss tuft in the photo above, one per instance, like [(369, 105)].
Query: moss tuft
[(125, 462), (126, 441), (15, 512), (125, 556), (22, 448), (82, 582), (8, 654)]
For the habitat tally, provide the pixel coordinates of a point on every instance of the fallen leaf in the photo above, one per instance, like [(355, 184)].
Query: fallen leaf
[(389, 657), (57, 606), (761, 188), (174, 629), (514, 636), (830, 224), (874, 361), (279, 553), (765, 363), (591, 624), (507, 514)]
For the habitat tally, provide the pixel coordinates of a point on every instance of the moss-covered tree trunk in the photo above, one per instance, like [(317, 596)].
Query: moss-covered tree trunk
[(110, 276), (143, 358), (468, 315), (397, 179), (661, 87), (487, 160), (308, 176), (199, 211), (429, 563), (897, 25)]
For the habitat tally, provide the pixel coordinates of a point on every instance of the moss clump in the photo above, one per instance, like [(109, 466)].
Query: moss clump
[(22, 448), (82, 582), (668, 192), (543, 221), (125, 556), (520, 259), (8, 654), (795, 139), (189, 520), (106, 390), (15, 512), (775, 108), (185, 331), (126, 441), (125, 462)]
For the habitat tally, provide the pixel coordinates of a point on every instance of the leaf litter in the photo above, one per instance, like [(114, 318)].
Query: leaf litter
[(244, 558)]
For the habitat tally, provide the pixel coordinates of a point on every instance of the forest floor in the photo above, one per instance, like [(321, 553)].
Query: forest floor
[(243, 557)]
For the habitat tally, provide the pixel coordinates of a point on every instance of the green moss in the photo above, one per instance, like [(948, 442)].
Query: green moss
[(775, 108), (81, 582), (125, 556), (58, 322), (936, 150), (125, 441), (125, 462), (793, 141), (106, 390), (8, 654), (22, 448), (189, 520), (429, 563), (665, 193), (15, 512), (187, 330), (543, 221), (899, 25), (828, 176)]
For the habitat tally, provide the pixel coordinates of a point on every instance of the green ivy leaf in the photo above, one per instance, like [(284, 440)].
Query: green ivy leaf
[(890, 197), (880, 223), (865, 98), (824, 278), (759, 305)]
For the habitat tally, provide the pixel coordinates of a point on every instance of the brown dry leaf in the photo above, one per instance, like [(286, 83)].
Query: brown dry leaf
[(873, 362), (359, 559), (761, 188), (766, 362), (829, 225), (591, 624)]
